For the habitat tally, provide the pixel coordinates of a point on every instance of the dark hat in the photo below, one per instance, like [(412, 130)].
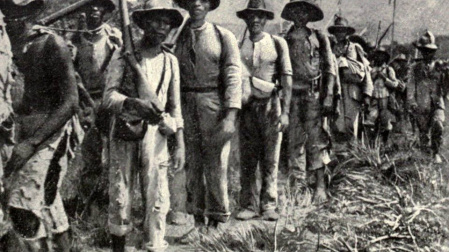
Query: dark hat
[(108, 4), (427, 41), (155, 7), (21, 9), (256, 6), (183, 3), (341, 24), (383, 53), (400, 57), (316, 14), (362, 42)]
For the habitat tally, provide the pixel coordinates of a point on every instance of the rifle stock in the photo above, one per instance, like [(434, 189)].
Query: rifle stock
[(142, 86)]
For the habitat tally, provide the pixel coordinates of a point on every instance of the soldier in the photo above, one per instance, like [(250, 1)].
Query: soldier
[(129, 88), (385, 83), (94, 53), (355, 78), (401, 67), (211, 96), (48, 130), (263, 118), (314, 74), (425, 97)]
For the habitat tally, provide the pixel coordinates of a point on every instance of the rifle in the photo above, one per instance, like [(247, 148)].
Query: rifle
[(383, 35), (48, 20), (143, 87)]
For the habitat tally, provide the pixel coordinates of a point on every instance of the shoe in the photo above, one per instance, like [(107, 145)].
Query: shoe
[(270, 215), (177, 218), (246, 214), (437, 159)]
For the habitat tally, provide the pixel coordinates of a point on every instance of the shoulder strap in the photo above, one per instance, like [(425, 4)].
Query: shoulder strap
[(159, 87), (107, 60)]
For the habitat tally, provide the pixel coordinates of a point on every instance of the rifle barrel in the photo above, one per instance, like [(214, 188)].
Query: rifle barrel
[(48, 20)]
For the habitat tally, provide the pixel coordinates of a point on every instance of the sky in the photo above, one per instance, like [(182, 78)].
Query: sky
[(413, 17)]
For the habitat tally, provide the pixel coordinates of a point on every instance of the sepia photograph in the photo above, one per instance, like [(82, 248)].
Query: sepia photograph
[(224, 125)]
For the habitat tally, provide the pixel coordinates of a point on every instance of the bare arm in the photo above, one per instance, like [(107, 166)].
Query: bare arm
[(62, 72)]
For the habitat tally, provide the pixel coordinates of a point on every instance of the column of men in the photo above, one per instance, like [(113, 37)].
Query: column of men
[(308, 88)]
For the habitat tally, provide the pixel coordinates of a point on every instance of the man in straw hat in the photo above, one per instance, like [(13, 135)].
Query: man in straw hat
[(129, 88), (48, 130), (314, 75), (401, 67), (355, 78), (94, 52), (424, 96), (211, 96), (384, 83), (267, 69)]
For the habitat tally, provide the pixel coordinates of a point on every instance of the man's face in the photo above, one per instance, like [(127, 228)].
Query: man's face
[(157, 28), (198, 9), (301, 16), (340, 36), (95, 14), (256, 22)]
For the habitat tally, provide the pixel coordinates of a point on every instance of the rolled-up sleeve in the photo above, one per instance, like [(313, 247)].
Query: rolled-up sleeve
[(232, 76), (112, 99), (174, 97)]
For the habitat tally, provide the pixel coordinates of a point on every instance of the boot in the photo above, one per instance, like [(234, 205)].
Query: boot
[(62, 242), (118, 243)]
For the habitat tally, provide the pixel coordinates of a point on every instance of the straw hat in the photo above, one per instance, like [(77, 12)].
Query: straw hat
[(315, 12), (157, 7), (427, 41), (108, 4), (341, 25), (256, 6), (183, 3)]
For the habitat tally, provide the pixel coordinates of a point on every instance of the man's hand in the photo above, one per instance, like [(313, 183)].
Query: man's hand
[(328, 105), (179, 159), (20, 155), (283, 121), (145, 110)]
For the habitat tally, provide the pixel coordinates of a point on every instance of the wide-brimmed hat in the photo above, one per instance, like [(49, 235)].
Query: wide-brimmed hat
[(108, 4), (341, 25), (157, 7), (382, 52), (21, 9), (427, 41), (256, 6), (400, 58), (183, 3), (367, 46), (316, 14)]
